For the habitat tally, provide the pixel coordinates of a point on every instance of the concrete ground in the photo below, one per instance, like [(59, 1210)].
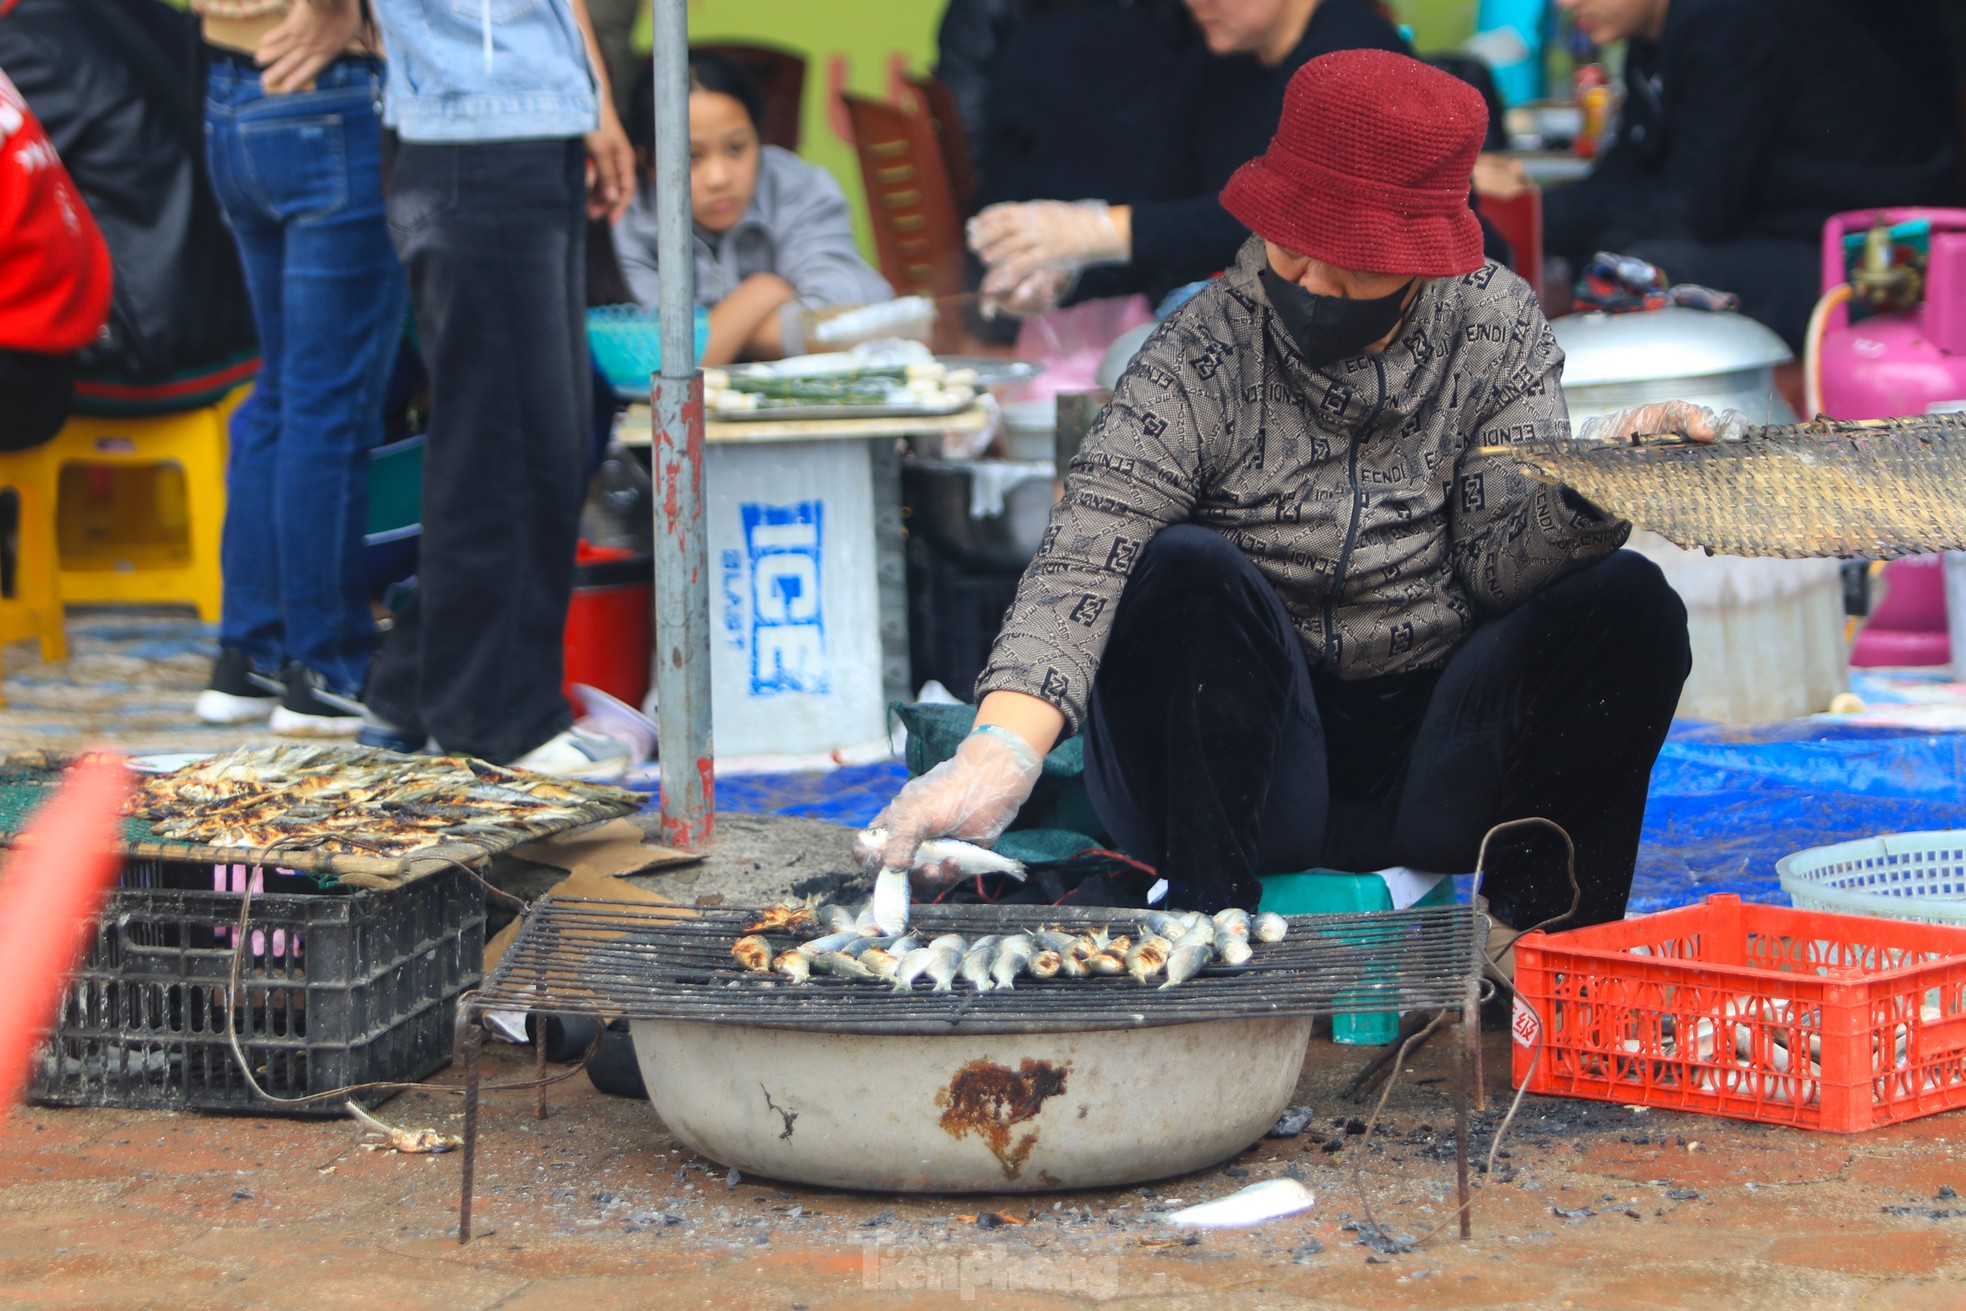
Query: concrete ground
[(597, 1206)]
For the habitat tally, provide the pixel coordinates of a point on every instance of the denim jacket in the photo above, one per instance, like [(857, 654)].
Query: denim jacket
[(486, 70)]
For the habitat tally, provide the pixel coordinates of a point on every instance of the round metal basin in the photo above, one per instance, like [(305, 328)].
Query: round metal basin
[(969, 1113)]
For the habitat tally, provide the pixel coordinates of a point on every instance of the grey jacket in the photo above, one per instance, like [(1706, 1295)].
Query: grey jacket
[(1353, 488), (797, 226)]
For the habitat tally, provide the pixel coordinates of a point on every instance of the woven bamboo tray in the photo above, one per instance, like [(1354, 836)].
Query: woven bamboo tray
[(1875, 488)]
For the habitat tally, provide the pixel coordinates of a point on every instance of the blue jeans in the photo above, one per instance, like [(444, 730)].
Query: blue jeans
[(300, 180)]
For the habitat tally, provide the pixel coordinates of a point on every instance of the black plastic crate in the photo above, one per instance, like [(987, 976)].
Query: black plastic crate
[(337, 986)]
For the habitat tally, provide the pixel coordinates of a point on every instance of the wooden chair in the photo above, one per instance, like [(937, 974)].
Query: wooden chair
[(918, 231), (1520, 221), (780, 77), (935, 99)]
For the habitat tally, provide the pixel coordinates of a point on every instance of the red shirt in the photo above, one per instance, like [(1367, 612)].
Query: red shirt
[(54, 267)]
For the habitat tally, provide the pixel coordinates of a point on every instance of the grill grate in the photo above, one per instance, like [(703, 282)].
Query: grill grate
[(613, 958)]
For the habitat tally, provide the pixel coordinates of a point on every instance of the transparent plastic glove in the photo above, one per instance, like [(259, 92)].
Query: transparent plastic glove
[(1664, 421), (973, 795), (1016, 240), (1034, 295)]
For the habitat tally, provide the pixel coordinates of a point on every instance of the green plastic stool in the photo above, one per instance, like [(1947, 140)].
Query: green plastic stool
[(1334, 892)]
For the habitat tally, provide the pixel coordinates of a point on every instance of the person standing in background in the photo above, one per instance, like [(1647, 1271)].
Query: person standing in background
[(1746, 124), (499, 110), (293, 133), (1039, 251)]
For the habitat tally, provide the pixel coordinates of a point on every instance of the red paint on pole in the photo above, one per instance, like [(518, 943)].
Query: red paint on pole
[(63, 865)]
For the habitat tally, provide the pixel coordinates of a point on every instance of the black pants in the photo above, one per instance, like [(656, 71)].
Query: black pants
[(493, 237), (1215, 754), (35, 393)]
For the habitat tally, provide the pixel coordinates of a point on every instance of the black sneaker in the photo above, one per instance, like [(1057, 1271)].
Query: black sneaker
[(233, 697), (308, 709)]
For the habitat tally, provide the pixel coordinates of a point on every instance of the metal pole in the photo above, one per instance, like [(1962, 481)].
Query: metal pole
[(682, 567)]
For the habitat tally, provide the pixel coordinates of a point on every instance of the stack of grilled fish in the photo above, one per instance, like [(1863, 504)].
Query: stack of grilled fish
[(1172, 947)]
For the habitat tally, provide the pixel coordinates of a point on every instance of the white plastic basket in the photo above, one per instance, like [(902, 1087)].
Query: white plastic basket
[(1900, 876)]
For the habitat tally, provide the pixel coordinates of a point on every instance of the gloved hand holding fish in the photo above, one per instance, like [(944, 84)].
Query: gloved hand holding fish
[(970, 797)]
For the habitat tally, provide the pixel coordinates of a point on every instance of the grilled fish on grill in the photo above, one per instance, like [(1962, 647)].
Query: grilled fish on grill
[(975, 969), (753, 953), (1013, 956), (1269, 927), (793, 964), (349, 799), (841, 966), (1147, 957)]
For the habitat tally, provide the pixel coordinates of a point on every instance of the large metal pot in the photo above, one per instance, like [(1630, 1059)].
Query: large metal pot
[(942, 1112), (1767, 635), (1673, 354)]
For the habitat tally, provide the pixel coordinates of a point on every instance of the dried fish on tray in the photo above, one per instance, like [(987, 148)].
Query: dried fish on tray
[(1875, 488), (363, 801)]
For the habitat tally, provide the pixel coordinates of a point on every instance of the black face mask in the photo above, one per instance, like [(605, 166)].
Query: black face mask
[(1326, 329)]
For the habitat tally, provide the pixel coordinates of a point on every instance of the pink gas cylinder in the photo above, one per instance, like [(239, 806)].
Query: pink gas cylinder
[(1907, 355)]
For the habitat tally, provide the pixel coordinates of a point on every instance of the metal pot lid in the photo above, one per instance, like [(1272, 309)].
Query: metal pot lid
[(1674, 342)]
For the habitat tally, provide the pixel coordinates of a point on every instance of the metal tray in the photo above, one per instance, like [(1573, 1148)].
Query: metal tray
[(990, 372)]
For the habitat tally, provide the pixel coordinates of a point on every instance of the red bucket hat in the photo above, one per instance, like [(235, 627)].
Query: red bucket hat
[(1369, 169)]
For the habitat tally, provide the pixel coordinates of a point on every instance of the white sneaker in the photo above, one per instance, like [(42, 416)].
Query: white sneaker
[(216, 707), (577, 753)]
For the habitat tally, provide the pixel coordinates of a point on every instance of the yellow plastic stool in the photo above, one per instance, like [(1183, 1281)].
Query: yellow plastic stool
[(139, 506), (34, 608)]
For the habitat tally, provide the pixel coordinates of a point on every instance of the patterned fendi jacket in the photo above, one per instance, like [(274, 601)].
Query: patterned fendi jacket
[(1354, 488)]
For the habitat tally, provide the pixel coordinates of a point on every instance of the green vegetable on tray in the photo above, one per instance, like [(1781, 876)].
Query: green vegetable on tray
[(931, 385)]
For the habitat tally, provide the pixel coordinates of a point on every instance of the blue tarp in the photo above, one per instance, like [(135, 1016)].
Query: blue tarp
[(1726, 803)]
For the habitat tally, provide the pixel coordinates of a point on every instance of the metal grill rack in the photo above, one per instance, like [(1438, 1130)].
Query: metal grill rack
[(634, 961), (611, 958)]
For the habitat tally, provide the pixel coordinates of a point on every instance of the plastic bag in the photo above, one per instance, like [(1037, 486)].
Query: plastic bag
[(1070, 342)]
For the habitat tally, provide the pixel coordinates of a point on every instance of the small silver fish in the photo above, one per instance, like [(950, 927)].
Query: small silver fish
[(1106, 962), (977, 961), (1269, 927), (891, 901), (1166, 924), (940, 860), (831, 942), (793, 965), (1147, 957), (1187, 959), (835, 919), (913, 966), (942, 967), (840, 965), (1013, 955), (865, 921), (1234, 920), (881, 962), (902, 946), (1232, 950), (1052, 940), (953, 941)]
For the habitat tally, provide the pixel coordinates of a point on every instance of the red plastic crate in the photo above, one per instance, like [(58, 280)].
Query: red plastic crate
[(1708, 1009)]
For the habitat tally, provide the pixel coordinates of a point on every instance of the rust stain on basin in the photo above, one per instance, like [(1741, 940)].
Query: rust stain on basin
[(987, 1100)]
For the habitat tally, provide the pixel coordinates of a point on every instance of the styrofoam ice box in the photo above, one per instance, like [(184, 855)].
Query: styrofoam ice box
[(794, 599), (1767, 635)]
